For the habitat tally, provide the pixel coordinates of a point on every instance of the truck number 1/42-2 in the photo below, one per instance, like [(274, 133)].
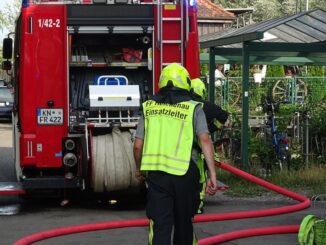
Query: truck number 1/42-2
[(49, 23)]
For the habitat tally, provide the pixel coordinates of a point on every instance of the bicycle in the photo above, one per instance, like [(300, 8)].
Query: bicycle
[(228, 141), (280, 140)]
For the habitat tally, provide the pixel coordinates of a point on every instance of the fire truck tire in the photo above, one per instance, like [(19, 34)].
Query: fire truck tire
[(113, 166)]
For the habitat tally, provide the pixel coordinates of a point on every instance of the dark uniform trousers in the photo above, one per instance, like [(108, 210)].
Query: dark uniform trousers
[(172, 201)]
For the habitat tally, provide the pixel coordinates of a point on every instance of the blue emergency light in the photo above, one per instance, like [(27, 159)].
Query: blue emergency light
[(25, 3), (192, 3)]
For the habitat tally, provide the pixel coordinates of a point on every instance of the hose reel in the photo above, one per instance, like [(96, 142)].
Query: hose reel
[(113, 162)]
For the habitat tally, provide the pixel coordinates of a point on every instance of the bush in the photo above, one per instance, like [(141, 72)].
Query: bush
[(275, 71)]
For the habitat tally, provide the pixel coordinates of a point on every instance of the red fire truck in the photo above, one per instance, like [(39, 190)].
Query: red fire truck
[(82, 68)]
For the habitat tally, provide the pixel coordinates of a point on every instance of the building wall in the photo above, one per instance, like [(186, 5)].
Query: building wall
[(206, 28)]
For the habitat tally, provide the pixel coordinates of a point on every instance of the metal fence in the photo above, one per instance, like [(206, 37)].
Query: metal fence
[(301, 114), (293, 90)]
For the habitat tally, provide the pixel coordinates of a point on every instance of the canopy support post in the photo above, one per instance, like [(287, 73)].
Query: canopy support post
[(211, 88), (245, 107)]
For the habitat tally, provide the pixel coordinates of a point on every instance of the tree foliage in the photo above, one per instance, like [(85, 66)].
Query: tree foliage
[(264, 10), (275, 71), (9, 14)]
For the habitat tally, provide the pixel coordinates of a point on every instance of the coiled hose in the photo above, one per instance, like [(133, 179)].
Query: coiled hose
[(113, 162)]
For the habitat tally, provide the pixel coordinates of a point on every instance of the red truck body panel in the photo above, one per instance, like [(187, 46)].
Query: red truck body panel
[(43, 83)]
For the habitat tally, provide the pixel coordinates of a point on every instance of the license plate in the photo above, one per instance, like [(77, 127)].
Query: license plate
[(50, 116), (2, 104)]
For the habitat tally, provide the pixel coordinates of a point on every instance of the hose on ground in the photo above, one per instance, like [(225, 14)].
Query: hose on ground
[(262, 231), (304, 203)]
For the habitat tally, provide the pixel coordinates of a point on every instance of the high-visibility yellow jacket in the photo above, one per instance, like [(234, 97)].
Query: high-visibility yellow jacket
[(169, 136)]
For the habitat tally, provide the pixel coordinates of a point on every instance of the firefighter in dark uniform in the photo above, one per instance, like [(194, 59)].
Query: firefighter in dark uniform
[(171, 124), (212, 112)]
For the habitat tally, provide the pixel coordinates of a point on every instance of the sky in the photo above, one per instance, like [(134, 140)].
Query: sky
[(3, 3)]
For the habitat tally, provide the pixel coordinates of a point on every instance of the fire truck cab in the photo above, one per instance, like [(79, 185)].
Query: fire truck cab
[(82, 68)]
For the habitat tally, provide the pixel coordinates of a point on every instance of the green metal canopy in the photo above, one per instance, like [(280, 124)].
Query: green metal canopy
[(292, 40)]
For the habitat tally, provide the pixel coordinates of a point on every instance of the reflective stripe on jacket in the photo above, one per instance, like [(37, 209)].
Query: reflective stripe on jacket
[(168, 137)]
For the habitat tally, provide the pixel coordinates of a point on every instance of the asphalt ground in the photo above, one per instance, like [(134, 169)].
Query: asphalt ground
[(36, 215)]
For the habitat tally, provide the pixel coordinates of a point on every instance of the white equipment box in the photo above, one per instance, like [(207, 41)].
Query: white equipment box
[(114, 97)]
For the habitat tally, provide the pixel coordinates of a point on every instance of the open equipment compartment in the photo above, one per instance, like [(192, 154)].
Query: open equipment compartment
[(93, 55)]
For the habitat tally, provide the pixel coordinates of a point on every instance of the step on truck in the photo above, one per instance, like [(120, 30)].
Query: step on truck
[(80, 71)]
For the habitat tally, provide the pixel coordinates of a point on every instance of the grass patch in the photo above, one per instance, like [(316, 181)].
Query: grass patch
[(310, 181)]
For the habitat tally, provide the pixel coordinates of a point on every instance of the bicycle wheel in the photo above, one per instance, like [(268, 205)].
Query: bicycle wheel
[(236, 147), (236, 152), (225, 143)]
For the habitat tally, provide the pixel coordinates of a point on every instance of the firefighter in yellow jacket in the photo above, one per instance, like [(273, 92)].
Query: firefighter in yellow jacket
[(164, 148)]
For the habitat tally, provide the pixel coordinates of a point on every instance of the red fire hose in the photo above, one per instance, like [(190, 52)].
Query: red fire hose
[(248, 233), (304, 203)]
